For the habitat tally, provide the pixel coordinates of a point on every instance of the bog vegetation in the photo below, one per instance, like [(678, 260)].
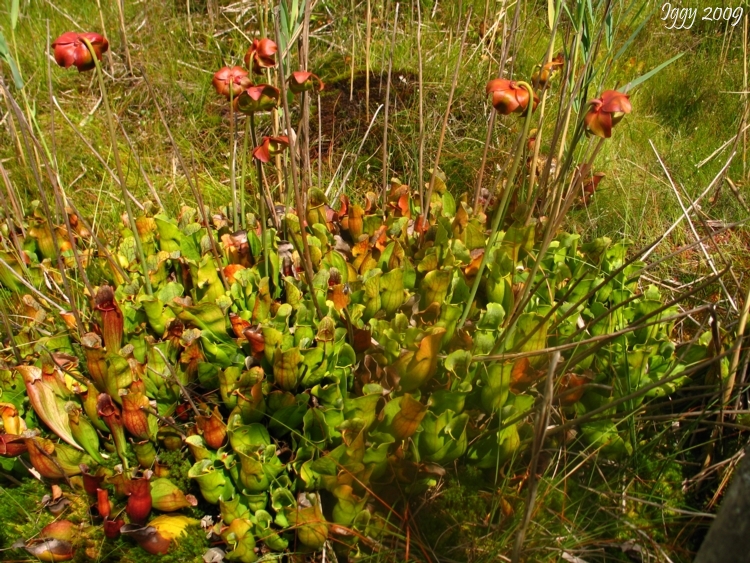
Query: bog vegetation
[(306, 324)]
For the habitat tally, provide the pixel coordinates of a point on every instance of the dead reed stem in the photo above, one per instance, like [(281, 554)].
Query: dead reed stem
[(425, 211)]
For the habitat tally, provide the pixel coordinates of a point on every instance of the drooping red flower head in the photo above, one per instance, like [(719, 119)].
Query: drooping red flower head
[(231, 80), (509, 97), (270, 147), (258, 98), (70, 50), (606, 112), (261, 54), (303, 81), (542, 75)]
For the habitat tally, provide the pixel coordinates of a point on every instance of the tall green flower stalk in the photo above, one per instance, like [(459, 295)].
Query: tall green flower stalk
[(502, 207), (118, 167), (232, 159), (261, 204), (306, 259), (243, 173)]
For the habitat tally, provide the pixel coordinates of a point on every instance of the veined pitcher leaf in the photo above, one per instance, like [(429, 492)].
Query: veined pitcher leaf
[(206, 316), (348, 505), (287, 368), (402, 416), (48, 406), (312, 528), (518, 241), (496, 385), (603, 434), (392, 291), (416, 368), (435, 286), (443, 437), (168, 497), (494, 447)]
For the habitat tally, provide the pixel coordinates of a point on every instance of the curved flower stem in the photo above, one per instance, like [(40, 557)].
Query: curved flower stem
[(53, 171), (261, 203), (232, 158), (245, 141), (502, 206), (118, 167)]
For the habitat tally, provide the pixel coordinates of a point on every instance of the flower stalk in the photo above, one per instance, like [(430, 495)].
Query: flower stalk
[(307, 260), (261, 204), (502, 206), (232, 158), (243, 172), (118, 167)]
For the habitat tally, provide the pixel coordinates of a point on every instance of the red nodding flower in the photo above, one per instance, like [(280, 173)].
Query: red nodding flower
[(270, 147), (70, 50), (540, 78), (303, 81), (606, 112), (258, 98), (509, 96), (231, 81), (261, 54)]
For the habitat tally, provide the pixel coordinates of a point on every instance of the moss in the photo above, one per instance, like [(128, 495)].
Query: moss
[(21, 512), (455, 516), (179, 466), (23, 517)]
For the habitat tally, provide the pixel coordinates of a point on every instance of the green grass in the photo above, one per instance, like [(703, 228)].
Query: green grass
[(687, 110)]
